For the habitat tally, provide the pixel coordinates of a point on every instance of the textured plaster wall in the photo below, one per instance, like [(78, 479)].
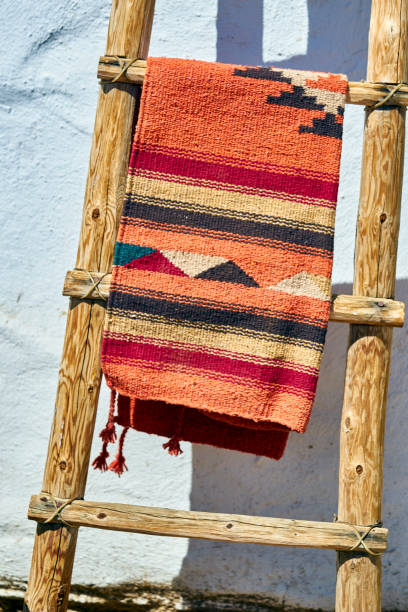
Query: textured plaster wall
[(48, 95)]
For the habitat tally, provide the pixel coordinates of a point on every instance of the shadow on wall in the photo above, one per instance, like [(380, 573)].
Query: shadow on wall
[(337, 35), (304, 483)]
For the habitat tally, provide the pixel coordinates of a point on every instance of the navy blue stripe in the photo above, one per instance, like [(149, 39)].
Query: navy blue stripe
[(151, 209), (195, 313)]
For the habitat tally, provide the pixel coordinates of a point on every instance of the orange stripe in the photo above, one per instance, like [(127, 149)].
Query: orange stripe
[(220, 397)]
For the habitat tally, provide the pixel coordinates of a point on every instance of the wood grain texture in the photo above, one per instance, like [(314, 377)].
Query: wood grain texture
[(79, 377), (209, 525), (367, 310), (344, 308), (380, 202), (369, 353), (368, 93), (364, 93)]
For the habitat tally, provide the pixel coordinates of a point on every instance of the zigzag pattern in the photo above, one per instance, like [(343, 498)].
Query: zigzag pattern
[(179, 263), (302, 95)]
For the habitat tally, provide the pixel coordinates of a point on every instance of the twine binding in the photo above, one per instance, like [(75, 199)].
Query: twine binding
[(59, 509), (95, 285), (361, 538), (125, 63), (386, 98)]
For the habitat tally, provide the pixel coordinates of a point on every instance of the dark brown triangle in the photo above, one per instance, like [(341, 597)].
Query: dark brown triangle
[(228, 272)]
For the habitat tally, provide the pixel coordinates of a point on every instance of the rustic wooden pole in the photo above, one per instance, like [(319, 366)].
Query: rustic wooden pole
[(79, 377), (368, 362)]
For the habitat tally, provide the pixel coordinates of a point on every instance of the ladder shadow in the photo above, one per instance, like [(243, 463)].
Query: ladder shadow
[(339, 46), (304, 483)]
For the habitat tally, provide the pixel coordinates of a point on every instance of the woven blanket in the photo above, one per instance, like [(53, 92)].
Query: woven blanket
[(220, 291)]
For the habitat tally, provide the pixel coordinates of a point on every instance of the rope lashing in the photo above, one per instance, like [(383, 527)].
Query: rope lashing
[(125, 63), (361, 537), (95, 286), (386, 98), (59, 509)]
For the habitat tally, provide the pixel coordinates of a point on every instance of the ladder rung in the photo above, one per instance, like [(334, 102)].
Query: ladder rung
[(209, 525), (363, 93), (344, 308)]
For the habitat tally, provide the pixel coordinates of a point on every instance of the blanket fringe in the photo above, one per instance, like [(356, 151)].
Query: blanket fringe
[(99, 463), (118, 465), (108, 434), (173, 445)]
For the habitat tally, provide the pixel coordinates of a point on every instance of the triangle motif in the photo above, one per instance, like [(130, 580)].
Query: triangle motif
[(155, 262), (125, 253), (229, 272), (192, 264), (302, 284)]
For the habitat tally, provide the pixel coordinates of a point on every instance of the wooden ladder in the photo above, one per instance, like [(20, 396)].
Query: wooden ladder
[(371, 310)]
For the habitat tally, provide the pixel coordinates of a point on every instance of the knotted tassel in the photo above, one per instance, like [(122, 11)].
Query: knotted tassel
[(99, 463), (173, 445), (118, 465), (108, 434)]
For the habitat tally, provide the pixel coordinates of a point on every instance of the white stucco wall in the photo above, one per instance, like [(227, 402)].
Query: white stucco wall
[(48, 93)]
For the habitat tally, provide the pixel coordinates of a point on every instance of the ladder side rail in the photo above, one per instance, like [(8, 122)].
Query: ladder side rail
[(80, 374), (369, 352)]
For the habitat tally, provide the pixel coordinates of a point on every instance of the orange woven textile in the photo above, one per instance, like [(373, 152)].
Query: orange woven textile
[(220, 290)]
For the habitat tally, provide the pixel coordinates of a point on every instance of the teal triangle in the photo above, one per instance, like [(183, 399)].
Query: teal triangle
[(125, 253)]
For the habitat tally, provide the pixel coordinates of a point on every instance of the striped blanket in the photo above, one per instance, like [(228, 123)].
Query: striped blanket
[(220, 290)]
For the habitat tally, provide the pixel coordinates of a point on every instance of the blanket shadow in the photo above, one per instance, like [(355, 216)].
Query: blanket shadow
[(302, 485)]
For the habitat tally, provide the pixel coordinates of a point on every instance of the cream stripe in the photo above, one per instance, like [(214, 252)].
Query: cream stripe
[(165, 329), (236, 331), (231, 201), (219, 185)]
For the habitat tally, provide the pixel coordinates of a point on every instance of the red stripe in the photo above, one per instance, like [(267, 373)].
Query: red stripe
[(260, 179), (264, 373), (234, 188), (233, 161), (215, 351)]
